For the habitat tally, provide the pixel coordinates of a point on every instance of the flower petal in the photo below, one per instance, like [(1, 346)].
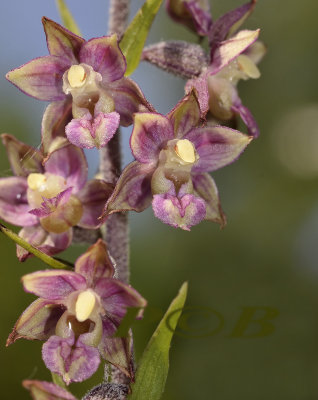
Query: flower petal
[(181, 212), (49, 243), (37, 322), (40, 78), (89, 133), (56, 116), (201, 16), (23, 159), (193, 14), (186, 115), (132, 190), (117, 296), (41, 390), (217, 146), (150, 134), (200, 84), (69, 162), (61, 42), (93, 198), (53, 284), (95, 264), (231, 48), (75, 362), (14, 206), (247, 118), (205, 188), (115, 350), (105, 56), (229, 23), (128, 99)]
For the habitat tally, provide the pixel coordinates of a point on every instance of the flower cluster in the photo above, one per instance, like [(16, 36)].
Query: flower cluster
[(79, 311)]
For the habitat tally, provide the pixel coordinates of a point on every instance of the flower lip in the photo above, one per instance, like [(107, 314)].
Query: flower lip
[(76, 76), (185, 150)]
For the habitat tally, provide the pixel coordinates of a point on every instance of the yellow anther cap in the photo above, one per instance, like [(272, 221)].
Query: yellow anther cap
[(185, 150), (76, 76), (84, 305)]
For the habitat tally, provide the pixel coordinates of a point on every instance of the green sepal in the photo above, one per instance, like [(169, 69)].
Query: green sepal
[(153, 367), (136, 34), (67, 18)]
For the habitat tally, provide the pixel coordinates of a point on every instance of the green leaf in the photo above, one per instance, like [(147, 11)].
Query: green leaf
[(153, 368), (67, 17), (136, 34), (52, 262)]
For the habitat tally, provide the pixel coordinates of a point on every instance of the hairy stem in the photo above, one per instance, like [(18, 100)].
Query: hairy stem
[(115, 230)]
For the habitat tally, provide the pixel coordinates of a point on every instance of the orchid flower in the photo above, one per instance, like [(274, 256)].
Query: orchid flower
[(174, 154), (77, 313), (48, 200), (90, 75)]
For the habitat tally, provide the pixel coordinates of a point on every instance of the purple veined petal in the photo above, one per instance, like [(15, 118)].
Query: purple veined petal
[(232, 48), (95, 264), (49, 243), (229, 23), (177, 212), (128, 99), (41, 390), (53, 284), (74, 361), (247, 118), (117, 296), (69, 162), (186, 115), (61, 42), (200, 84), (201, 16), (115, 350), (37, 322), (93, 197), (56, 116), (88, 132), (216, 146), (105, 56), (132, 190), (23, 158), (14, 206), (150, 134), (41, 78), (194, 14), (205, 187)]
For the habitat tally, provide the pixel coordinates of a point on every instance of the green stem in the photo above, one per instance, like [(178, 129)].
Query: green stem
[(52, 262), (58, 380)]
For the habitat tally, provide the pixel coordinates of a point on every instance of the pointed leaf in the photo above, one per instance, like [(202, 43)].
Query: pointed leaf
[(42, 256), (136, 34), (67, 18), (153, 367)]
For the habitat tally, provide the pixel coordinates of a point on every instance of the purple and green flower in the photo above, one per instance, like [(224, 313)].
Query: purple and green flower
[(47, 198), (174, 154), (77, 313), (86, 80)]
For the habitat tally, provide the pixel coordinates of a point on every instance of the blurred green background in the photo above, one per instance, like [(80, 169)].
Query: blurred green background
[(267, 256)]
